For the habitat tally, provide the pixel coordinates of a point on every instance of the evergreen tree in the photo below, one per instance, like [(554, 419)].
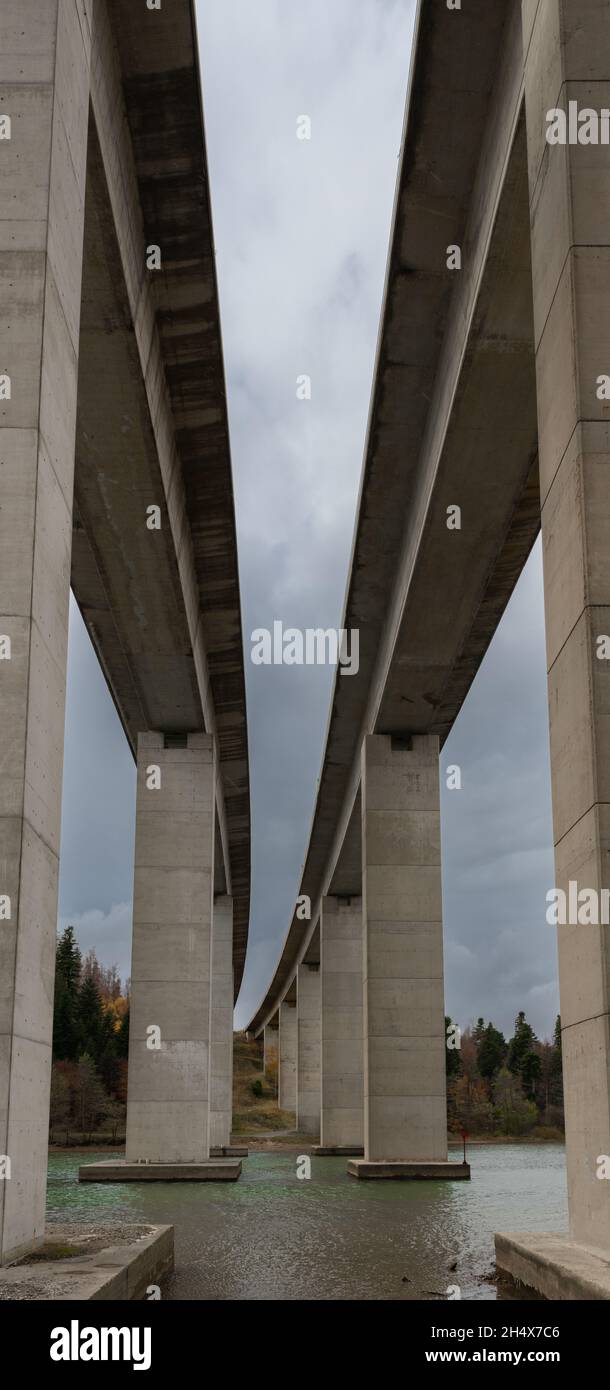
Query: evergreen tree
[(523, 1060), (491, 1053), (92, 1028), (530, 1073), (68, 960), (122, 1037), (478, 1030), (109, 1068), (520, 1044), (65, 1012), (556, 1080)]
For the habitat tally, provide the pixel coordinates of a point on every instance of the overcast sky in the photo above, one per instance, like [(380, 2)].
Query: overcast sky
[(301, 230)]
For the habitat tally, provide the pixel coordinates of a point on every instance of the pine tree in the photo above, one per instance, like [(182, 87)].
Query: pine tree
[(520, 1044), (68, 959), (491, 1053), (478, 1030), (65, 1012), (90, 1018), (530, 1073), (523, 1060)]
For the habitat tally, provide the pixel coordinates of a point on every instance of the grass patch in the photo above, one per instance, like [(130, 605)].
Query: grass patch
[(52, 1250)]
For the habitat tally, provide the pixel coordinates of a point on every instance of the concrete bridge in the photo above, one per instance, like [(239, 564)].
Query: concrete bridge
[(115, 478), (489, 417), (490, 396)]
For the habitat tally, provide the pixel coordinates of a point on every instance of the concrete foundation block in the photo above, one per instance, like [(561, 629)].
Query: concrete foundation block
[(119, 1170), (412, 1172), (554, 1265)]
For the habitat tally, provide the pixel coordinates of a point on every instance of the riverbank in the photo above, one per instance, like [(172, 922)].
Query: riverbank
[(288, 1139)]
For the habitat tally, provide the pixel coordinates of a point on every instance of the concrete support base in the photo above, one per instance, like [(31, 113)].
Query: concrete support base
[(229, 1151), (422, 1172), (337, 1151), (119, 1269), (553, 1265), (118, 1170)]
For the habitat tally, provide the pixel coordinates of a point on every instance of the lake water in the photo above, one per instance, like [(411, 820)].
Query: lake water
[(272, 1236)]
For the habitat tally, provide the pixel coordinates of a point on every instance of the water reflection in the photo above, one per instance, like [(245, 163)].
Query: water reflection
[(271, 1236)]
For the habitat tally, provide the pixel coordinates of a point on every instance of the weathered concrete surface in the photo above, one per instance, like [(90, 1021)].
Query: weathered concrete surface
[(287, 1064), (553, 1265), (221, 1024), (308, 1049), (568, 59), (405, 1104), (168, 1087), (120, 1269), (342, 1085), (453, 348), (413, 1172), (121, 1170), (162, 607), (44, 88)]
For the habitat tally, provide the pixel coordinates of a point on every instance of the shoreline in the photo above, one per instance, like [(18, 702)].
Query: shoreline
[(262, 1144)]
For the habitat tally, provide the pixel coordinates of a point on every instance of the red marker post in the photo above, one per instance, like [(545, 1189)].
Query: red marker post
[(464, 1138)]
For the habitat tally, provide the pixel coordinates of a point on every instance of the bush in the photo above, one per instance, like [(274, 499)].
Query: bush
[(257, 1088)]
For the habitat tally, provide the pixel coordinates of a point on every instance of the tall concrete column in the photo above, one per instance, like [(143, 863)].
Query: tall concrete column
[(308, 1049), (221, 1040), (271, 1049), (342, 1098), (169, 1038), (405, 1116), (567, 60), (44, 94), (287, 1066)]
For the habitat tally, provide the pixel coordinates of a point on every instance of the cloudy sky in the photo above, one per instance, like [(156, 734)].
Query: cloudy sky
[(301, 230)]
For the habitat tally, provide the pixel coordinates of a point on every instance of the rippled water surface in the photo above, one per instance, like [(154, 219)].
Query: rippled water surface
[(273, 1236)]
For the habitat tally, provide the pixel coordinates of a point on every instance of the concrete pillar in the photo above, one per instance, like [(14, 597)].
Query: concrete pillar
[(567, 59), (342, 1115), (221, 1039), (308, 1049), (168, 1090), (287, 1067), (44, 91), (405, 1117), (271, 1050)]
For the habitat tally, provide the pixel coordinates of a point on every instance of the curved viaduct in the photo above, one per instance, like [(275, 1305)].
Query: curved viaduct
[(484, 399), (117, 481)]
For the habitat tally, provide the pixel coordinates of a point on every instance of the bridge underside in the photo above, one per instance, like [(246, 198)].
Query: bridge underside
[(152, 427), (490, 396), (452, 423)]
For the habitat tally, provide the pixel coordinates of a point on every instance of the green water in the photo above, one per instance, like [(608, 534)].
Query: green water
[(272, 1236)]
